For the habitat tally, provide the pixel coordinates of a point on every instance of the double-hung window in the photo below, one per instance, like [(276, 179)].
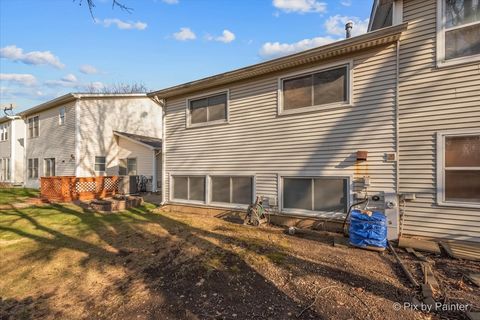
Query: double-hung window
[(100, 163), (4, 132), (190, 188), (323, 194), (234, 190), (61, 116), (458, 171), (4, 169), (458, 31), (49, 167), (315, 90), (207, 110), (32, 168), (128, 167), (33, 130)]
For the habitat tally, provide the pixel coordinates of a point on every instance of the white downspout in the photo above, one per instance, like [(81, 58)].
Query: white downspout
[(12, 152), (154, 175), (164, 148)]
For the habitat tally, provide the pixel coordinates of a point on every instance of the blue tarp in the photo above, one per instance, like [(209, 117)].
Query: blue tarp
[(368, 230)]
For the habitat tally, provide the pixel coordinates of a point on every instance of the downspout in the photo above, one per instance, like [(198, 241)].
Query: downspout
[(161, 103), (13, 156), (397, 120)]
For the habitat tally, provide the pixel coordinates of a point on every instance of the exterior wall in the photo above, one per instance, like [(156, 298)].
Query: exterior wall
[(257, 140), (6, 146), (98, 118), (144, 155), (54, 141), (432, 99), (18, 147)]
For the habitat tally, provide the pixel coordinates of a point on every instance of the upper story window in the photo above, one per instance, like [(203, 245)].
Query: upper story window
[(459, 30), (4, 132), (208, 110), (316, 89), (33, 127), (459, 169), (61, 116), (100, 164)]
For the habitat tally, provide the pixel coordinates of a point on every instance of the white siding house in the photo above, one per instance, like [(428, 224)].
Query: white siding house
[(74, 135), (12, 134)]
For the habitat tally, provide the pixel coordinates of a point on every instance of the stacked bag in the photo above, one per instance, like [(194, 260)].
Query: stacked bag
[(368, 229)]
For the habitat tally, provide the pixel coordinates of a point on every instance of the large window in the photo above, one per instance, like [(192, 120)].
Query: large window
[(235, 190), (100, 164), (208, 110), (315, 89), (4, 169), (189, 188), (49, 167), (316, 193), (459, 30), (128, 167), (32, 168), (33, 130), (459, 169), (4, 132)]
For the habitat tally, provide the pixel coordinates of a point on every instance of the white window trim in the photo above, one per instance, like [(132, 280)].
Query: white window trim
[(188, 123), (440, 167), (28, 128), (441, 62), (45, 166), (310, 174), (33, 166), (64, 116), (339, 64), (208, 182), (95, 164)]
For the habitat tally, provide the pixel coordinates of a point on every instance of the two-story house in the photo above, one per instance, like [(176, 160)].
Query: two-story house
[(12, 133), (88, 135), (392, 114)]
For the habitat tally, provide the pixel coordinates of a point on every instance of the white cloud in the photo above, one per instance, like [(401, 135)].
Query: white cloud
[(300, 6), (346, 3), (70, 78), (123, 25), (24, 79), (336, 25), (96, 85), (88, 69), (226, 37), (184, 34), (171, 1), (68, 81), (277, 49), (33, 57)]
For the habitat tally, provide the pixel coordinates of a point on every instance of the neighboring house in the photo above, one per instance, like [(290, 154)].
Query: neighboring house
[(291, 129), (12, 133), (87, 135)]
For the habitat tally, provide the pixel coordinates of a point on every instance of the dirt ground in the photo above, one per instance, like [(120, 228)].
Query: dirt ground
[(160, 265)]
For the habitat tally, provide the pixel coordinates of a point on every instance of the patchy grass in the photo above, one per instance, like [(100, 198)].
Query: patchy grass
[(60, 261), (16, 195)]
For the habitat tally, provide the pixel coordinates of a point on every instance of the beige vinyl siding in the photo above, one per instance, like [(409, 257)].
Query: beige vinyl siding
[(98, 118), (432, 99), (54, 141), (324, 142)]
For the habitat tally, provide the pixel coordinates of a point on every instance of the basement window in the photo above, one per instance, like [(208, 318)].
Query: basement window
[(234, 190), (459, 169), (189, 188), (207, 110), (323, 194)]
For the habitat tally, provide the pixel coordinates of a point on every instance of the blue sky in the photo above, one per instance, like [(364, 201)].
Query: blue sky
[(51, 47)]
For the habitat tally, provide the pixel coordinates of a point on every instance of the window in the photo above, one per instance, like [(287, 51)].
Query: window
[(49, 167), (208, 110), (128, 167), (459, 169), (316, 194), (315, 89), (100, 164), (33, 168), (33, 127), (459, 30), (5, 169), (4, 132), (189, 188), (61, 116), (238, 190)]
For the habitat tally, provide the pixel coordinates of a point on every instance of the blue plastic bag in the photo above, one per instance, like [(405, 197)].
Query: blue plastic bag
[(368, 230)]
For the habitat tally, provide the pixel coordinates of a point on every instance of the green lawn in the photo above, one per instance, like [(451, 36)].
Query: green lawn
[(12, 195)]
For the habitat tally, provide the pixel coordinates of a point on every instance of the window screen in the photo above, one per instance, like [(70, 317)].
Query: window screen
[(189, 188), (315, 89), (237, 190), (208, 109)]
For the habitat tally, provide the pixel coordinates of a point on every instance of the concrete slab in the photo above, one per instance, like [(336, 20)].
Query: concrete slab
[(419, 244)]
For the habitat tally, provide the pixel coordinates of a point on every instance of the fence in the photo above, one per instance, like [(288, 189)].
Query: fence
[(66, 189)]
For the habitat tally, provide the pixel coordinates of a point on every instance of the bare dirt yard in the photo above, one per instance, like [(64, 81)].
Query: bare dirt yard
[(65, 262)]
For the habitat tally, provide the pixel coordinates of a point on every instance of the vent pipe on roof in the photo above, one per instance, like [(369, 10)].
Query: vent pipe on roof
[(348, 29)]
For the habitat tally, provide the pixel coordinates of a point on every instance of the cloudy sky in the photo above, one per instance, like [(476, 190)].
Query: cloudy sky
[(51, 47)]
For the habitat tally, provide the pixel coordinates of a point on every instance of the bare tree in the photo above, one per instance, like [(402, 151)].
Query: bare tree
[(91, 5), (117, 88)]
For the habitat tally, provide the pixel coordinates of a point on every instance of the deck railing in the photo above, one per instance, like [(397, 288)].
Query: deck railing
[(70, 188)]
